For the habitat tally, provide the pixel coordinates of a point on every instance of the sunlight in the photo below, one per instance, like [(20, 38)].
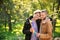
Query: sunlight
[(57, 30)]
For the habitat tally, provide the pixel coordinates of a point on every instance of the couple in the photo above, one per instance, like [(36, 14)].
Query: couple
[(38, 26)]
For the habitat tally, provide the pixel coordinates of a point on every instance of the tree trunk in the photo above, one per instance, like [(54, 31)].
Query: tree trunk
[(9, 22)]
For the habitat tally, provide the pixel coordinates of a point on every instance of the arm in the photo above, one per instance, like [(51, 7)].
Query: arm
[(26, 28), (49, 30)]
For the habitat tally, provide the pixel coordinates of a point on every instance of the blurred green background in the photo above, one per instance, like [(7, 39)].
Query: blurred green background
[(13, 14)]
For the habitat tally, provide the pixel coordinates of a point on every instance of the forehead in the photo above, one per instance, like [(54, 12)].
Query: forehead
[(43, 13)]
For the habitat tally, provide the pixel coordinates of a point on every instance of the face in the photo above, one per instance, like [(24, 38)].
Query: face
[(43, 15), (36, 15)]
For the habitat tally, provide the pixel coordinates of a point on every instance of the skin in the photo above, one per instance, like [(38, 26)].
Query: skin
[(35, 17), (43, 15)]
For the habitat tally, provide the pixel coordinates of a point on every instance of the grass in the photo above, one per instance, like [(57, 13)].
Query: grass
[(17, 34), (57, 29)]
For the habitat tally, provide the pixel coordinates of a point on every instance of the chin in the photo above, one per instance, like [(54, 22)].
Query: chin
[(42, 18), (36, 18)]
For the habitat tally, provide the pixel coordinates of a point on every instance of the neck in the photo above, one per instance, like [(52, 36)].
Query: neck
[(33, 19), (44, 18)]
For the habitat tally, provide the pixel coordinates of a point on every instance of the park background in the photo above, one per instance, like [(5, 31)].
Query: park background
[(13, 14)]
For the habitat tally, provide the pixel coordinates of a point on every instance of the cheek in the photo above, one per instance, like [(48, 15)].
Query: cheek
[(37, 15), (42, 16)]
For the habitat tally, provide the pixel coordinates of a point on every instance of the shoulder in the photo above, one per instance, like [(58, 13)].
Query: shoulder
[(27, 20), (48, 20)]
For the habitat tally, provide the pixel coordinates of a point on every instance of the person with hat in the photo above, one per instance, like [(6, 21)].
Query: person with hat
[(31, 26)]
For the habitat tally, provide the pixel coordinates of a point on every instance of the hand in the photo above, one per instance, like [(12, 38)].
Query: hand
[(38, 34), (32, 30)]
